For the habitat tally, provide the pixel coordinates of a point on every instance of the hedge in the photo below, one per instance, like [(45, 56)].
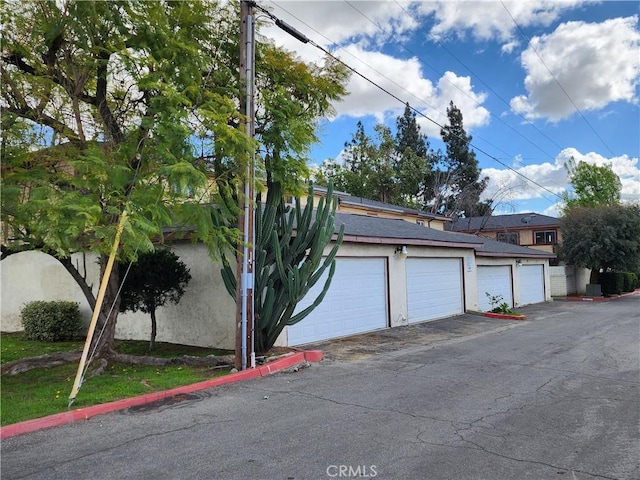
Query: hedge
[(51, 321)]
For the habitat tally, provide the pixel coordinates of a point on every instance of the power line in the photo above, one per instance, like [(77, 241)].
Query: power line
[(444, 47), (465, 93), (304, 39), (535, 50)]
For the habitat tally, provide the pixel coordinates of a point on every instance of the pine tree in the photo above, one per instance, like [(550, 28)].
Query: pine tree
[(413, 162), (458, 178)]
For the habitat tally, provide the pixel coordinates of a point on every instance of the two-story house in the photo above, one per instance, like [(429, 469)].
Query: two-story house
[(532, 230)]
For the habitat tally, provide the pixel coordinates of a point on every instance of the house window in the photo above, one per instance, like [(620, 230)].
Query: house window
[(509, 237), (548, 237)]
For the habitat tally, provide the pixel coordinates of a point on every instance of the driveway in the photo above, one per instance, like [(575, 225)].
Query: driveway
[(552, 397)]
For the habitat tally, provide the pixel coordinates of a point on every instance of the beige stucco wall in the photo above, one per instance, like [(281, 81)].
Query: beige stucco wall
[(206, 314)]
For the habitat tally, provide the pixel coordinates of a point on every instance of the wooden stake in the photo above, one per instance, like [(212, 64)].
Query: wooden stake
[(96, 309)]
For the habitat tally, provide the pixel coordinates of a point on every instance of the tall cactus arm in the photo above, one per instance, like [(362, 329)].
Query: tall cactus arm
[(228, 277), (289, 261), (304, 313)]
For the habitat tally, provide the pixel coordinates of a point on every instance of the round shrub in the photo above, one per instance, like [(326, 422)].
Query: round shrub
[(51, 321)]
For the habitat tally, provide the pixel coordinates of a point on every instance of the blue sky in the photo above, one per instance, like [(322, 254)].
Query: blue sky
[(537, 82)]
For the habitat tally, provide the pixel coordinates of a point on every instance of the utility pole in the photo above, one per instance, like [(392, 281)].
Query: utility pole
[(245, 352)]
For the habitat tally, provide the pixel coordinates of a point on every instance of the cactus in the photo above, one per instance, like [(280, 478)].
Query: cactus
[(288, 265)]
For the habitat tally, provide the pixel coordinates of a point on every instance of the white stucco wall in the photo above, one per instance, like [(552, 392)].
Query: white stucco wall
[(30, 276), (205, 315)]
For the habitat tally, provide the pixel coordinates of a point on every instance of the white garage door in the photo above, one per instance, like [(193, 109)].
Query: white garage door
[(356, 302), (495, 279), (434, 288), (531, 284)]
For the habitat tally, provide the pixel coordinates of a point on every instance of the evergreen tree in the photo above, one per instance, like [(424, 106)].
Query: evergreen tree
[(408, 134), (458, 179), (413, 162)]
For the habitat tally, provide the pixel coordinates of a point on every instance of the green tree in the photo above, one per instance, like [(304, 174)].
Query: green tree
[(603, 238), (110, 106), (293, 97), (101, 103), (372, 168), (457, 186), (413, 162), (593, 185), (152, 281)]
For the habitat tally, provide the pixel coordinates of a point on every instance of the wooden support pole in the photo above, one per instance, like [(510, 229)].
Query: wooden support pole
[(96, 310)]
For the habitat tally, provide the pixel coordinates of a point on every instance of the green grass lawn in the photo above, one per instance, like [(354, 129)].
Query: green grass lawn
[(46, 391)]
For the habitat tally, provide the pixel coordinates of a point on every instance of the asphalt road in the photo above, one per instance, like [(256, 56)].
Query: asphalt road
[(553, 397)]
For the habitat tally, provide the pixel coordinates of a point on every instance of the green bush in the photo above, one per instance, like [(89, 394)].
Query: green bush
[(51, 321), (612, 283), (630, 282)]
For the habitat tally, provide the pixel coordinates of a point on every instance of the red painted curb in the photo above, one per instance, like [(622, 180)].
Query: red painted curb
[(86, 413), (505, 316)]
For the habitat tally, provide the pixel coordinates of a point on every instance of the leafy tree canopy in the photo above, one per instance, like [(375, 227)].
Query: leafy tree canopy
[(102, 102), (113, 106), (593, 185), (603, 238)]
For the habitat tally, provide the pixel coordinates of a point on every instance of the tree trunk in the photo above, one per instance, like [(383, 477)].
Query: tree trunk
[(152, 342), (103, 339), (595, 275)]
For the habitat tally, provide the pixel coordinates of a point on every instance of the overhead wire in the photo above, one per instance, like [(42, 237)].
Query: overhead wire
[(564, 91), (465, 93), (497, 95), (300, 36)]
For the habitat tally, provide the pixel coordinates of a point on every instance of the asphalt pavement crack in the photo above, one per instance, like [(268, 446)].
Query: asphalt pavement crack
[(535, 462), (108, 449)]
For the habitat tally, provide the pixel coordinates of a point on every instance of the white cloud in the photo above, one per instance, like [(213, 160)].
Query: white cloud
[(509, 186), (405, 79), (488, 20), (595, 63), (625, 167), (332, 23)]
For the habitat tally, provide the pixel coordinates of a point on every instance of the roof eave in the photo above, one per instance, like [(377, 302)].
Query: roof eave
[(512, 255), (407, 241)]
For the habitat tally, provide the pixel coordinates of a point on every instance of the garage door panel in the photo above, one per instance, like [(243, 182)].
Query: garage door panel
[(434, 288), (531, 284), (356, 302), (495, 279)]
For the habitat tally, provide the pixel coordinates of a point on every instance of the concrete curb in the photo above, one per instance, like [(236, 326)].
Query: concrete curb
[(86, 413), (601, 299)]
